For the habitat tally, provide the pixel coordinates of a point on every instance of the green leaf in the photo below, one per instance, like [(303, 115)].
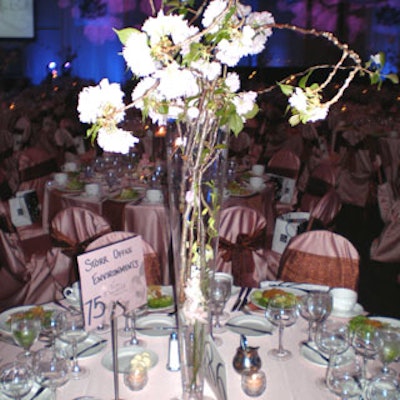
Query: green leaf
[(253, 112), (123, 34), (287, 90), (235, 123), (294, 120), (393, 78), (382, 58), (304, 79), (375, 78)]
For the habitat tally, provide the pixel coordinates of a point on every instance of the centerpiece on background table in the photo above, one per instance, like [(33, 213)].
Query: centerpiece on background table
[(181, 58)]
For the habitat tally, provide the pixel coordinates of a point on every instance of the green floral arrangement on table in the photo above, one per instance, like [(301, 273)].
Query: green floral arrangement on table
[(181, 58)]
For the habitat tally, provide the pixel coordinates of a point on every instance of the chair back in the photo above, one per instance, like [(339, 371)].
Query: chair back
[(284, 163), (242, 243), (75, 227), (151, 261), (326, 209), (320, 257)]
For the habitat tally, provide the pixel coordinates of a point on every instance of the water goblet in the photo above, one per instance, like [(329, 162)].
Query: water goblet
[(16, 379), (51, 368), (383, 387), (25, 332), (344, 377), (331, 338), (134, 340), (365, 341), (51, 326), (389, 348), (315, 307), (220, 293), (282, 312), (72, 331)]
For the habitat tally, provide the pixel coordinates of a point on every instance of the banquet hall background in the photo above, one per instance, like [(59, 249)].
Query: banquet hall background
[(74, 45)]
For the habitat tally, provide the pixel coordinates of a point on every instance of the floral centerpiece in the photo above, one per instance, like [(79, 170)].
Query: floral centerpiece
[(181, 57)]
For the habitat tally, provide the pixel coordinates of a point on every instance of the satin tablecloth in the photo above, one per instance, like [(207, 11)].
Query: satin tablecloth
[(294, 379)]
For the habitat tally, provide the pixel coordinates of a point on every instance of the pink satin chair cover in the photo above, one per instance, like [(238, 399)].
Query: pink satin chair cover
[(389, 149), (386, 247), (327, 208), (320, 257), (242, 250), (151, 263), (284, 163), (386, 198), (8, 164), (37, 280), (75, 227)]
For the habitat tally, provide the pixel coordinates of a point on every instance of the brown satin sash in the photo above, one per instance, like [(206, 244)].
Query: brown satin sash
[(299, 266), (39, 170), (240, 254)]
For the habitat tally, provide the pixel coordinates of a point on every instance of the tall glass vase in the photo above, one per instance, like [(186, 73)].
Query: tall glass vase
[(196, 157)]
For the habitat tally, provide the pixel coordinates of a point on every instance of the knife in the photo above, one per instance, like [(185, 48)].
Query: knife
[(38, 393), (323, 356), (94, 345), (244, 301), (238, 300), (249, 328)]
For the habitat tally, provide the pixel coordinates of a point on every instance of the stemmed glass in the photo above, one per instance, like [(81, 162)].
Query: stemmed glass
[(134, 340), (344, 377), (51, 369), (25, 332), (72, 331), (332, 338), (221, 289), (16, 380), (282, 313), (389, 348), (365, 341), (315, 307), (51, 327), (383, 387)]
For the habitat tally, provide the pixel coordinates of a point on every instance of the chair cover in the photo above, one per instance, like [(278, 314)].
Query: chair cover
[(151, 262), (386, 198), (241, 250), (320, 257), (75, 227), (34, 280), (326, 209), (386, 247), (9, 177), (284, 163)]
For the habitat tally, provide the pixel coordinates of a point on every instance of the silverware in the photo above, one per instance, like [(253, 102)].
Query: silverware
[(156, 328), (38, 392), (238, 300), (323, 356), (249, 328), (94, 345), (244, 301)]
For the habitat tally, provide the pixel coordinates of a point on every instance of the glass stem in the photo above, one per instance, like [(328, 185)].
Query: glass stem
[(75, 366), (328, 370), (280, 348), (310, 323)]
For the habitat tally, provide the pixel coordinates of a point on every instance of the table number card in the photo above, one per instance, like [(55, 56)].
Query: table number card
[(215, 370), (109, 274)]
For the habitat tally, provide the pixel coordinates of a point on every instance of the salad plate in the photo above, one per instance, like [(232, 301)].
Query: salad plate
[(393, 322), (90, 343), (250, 325), (159, 298), (311, 353), (258, 298), (125, 355), (156, 325)]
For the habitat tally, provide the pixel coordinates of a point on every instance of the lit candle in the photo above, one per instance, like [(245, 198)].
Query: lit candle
[(136, 378), (254, 383)]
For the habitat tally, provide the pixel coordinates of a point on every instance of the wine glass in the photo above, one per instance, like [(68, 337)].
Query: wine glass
[(72, 331), (25, 332), (365, 341), (344, 377), (383, 387), (134, 340), (389, 348), (16, 379), (51, 327), (315, 307), (331, 338), (220, 292), (281, 312), (51, 369)]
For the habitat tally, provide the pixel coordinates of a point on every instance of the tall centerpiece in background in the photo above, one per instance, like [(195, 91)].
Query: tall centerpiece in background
[(181, 57)]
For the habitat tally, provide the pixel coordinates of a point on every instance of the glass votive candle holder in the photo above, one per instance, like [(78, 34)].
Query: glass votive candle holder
[(136, 378), (254, 383)]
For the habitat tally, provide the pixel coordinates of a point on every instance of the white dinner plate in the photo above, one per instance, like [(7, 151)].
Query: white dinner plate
[(91, 340), (4, 316), (316, 358), (249, 325), (393, 322), (296, 292), (156, 325), (165, 290), (357, 310), (125, 355)]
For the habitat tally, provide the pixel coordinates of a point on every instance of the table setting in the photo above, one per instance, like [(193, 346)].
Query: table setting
[(292, 346)]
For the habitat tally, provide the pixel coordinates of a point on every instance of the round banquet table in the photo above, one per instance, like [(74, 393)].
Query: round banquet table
[(286, 380)]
